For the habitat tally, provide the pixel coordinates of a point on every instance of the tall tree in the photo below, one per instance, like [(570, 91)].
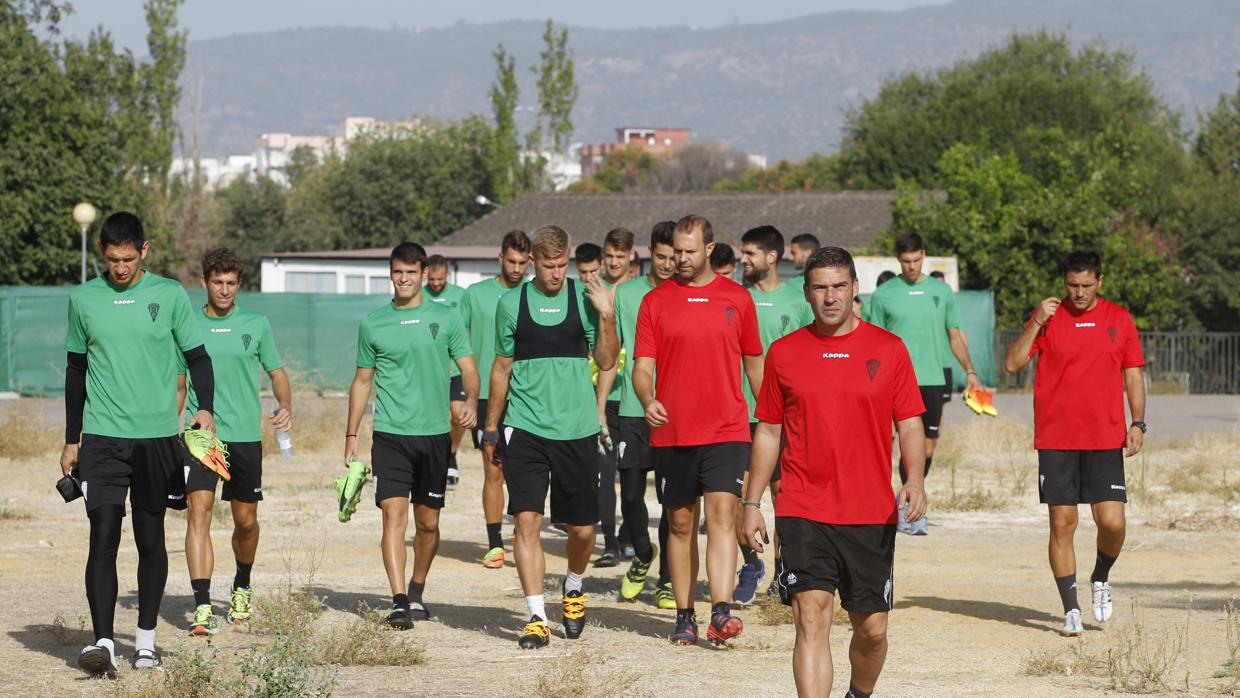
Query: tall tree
[(557, 92), (504, 156)]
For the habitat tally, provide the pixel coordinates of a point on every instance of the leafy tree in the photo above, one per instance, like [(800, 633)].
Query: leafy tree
[(629, 169), (816, 172), (557, 92), (504, 155), (252, 222)]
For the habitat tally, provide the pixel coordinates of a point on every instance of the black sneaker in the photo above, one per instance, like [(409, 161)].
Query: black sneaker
[(686, 633), (574, 614), (146, 659), (97, 661), (400, 619), (536, 634), (609, 558), (419, 611)]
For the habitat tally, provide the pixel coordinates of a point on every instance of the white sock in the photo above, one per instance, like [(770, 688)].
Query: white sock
[(573, 581), (144, 639), (110, 646), (536, 606)]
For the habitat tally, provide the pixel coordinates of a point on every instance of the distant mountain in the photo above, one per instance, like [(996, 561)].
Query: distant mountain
[(780, 89)]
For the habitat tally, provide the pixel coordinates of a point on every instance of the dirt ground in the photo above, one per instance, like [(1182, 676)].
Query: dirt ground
[(976, 609)]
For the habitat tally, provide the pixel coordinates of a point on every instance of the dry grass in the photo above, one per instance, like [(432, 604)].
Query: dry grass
[(1230, 671), (996, 458), (65, 635), (11, 514), (1141, 658), (186, 674), (1076, 659), (367, 640), (291, 608), (25, 433), (771, 611), (583, 675)]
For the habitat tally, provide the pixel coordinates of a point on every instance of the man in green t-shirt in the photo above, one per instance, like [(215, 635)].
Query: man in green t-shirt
[(478, 312), (782, 310), (403, 352), (800, 247), (920, 309), (125, 330), (240, 343), (438, 290), (544, 333)]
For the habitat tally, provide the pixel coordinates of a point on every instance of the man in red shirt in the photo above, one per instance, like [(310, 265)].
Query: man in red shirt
[(698, 329), (832, 390), (1089, 357)]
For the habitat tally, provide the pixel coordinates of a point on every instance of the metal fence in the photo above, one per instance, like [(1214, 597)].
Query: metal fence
[(1186, 362)]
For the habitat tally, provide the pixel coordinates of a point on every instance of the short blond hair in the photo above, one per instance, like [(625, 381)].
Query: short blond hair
[(550, 241)]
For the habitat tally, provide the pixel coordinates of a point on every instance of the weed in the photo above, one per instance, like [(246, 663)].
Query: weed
[(11, 514), (582, 675), (1141, 658), (285, 669), (972, 499), (1046, 662), (63, 634), (366, 640), (194, 674), (772, 611), (1231, 667), (293, 606)]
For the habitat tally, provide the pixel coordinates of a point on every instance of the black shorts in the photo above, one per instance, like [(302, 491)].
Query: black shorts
[(684, 473), (245, 466), (947, 384), (932, 418), (633, 447), (570, 468), (777, 473), (854, 561), (414, 467), (456, 390), (1081, 477), (150, 470)]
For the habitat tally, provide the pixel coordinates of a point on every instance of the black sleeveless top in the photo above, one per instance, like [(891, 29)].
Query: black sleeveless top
[(565, 340)]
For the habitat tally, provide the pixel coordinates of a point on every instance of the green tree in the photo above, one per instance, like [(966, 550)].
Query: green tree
[(252, 222), (557, 92), (629, 169), (817, 172), (504, 154)]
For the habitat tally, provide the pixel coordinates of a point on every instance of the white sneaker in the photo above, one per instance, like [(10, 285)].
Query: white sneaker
[(1072, 625), (1102, 601)]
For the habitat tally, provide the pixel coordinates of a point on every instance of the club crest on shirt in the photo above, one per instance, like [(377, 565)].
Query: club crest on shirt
[(871, 367), (936, 300), (731, 314), (1112, 333), (785, 320), (434, 330), (153, 309), (245, 341)]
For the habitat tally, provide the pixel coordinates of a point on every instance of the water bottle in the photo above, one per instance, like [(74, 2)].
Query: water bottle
[(285, 440)]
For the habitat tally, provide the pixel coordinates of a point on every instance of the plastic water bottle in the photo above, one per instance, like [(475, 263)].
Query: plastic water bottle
[(285, 440)]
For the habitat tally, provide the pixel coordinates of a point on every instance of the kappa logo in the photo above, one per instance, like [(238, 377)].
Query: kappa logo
[(784, 322), (917, 293), (125, 302), (731, 313), (245, 341), (1119, 487), (220, 330), (436, 495), (835, 355), (871, 367), (153, 309), (792, 578), (764, 304), (936, 300), (1112, 333), (434, 330), (699, 300), (1085, 324), (410, 322), (549, 310)]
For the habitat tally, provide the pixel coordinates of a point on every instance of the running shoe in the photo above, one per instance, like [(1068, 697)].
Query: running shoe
[(349, 490), (207, 449), (146, 659), (400, 619), (574, 603), (723, 627), (1072, 625), (609, 558), (97, 661), (635, 579), (535, 635), (419, 611), (239, 608), (981, 402), (494, 559), (205, 622), (1102, 601), (747, 583), (664, 598), (988, 403), (686, 633)]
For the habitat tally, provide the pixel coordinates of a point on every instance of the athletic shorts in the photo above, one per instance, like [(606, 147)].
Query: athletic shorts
[(456, 389), (854, 561), (932, 418), (1081, 477), (149, 470), (245, 466), (777, 473), (947, 384), (684, 473), (633, 446), (570, 468), (415, 467)]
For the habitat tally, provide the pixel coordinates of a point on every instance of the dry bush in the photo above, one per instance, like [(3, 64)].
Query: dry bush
[(1231, 668), (772, 611), (1045, 662), (583, 675), (1077, 659), (63, 634), (367, 640), (972, 499), (1141, 657), (996, 452), (26, 433), (290, 608), (186, 674)]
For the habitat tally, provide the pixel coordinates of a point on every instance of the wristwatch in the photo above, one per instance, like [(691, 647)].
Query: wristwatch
[(1140, 425)]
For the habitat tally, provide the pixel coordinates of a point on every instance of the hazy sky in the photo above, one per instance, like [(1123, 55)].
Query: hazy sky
[(211, 18)]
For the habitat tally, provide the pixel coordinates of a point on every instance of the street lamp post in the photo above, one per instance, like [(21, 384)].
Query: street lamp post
[(84, 214), (482, 200)]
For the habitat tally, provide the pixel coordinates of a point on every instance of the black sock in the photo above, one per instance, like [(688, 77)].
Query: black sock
[(400, 601), (929, 460), (854, 692), (452, 460), (1067, 592), (493, 538), (749, 555), (202, 591), (647, 555), (722, 607), (1102, 567), (241, 580), (415, 590), (610, 542), (685, 614)]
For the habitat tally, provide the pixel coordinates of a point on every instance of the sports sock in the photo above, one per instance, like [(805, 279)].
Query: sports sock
[(536, 606), (1102, 567), (415, 590), (573, 581), (610, 542), (400, 601), (109, 645), (241, 580), (749, 555), (452, 461), (854, 692), (722, 607), (929, 460), (144, 639), (202, 591), (1067, 592), (494, 540)]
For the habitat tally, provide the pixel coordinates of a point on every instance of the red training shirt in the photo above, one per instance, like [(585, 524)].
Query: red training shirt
[(836, 398), (1078, 388), (697, 336)]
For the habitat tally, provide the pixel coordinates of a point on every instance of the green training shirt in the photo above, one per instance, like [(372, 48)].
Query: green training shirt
[(452, 296), (549, 397), (780, 312), (239, 345), (410, 349), (131, 338), (628, 301), (920, 314), (478, 312)]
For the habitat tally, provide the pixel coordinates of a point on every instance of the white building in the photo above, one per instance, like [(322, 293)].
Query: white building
[(365, 271)]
